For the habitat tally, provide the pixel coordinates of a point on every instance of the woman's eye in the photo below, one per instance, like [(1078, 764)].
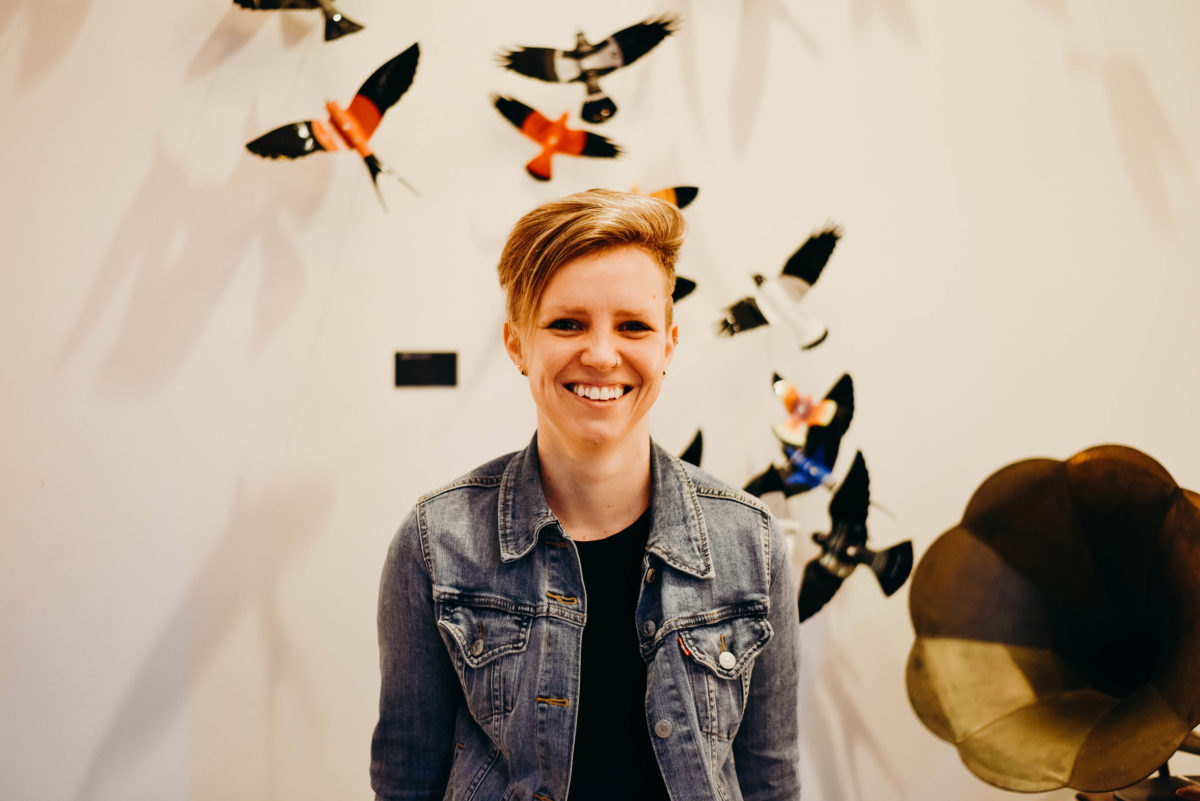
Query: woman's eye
[(565, 325), (635, 325)]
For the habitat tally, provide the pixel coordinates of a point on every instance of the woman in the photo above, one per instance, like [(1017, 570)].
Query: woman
[(590, 617)]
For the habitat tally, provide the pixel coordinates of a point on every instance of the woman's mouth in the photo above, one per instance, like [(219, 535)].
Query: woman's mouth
[(598, 392)]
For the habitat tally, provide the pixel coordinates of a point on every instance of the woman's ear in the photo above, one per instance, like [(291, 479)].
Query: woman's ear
[(672, 341), (512, 344)]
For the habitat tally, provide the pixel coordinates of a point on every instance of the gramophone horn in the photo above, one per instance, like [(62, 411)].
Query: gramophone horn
[(1058, 624)]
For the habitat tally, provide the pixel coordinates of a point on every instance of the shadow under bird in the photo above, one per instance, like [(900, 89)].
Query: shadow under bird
[(554, 137), (347, 128), (809, 461), (844, 547), (336, 25), (586, 63), (776, 301)]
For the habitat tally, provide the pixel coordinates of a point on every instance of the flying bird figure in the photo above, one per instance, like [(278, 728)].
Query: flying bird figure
[(587, 62), (336, 26), (678, 196), (844, 547), (777, 300), (810, 460), (554, 137), (802, 411), (347, 128)]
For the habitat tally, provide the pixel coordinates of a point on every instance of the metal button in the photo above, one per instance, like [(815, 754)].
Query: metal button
[(727, 660), (663, 729), (477, 647), (648, 629), (651, 574)]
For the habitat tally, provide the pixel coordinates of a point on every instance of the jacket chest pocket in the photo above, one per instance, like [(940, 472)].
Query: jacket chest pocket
[(484, 645), (720, 658)]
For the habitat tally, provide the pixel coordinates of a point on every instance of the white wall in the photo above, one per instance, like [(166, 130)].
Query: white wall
[(204, 458)]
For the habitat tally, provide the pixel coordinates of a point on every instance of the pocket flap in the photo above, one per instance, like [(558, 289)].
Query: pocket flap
[(484, 633), (727, 648)]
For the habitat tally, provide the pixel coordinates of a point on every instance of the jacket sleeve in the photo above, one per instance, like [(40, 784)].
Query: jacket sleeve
[(419, 691), (766, 748)]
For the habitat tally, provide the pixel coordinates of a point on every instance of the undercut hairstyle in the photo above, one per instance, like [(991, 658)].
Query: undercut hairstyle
[(584, 224)]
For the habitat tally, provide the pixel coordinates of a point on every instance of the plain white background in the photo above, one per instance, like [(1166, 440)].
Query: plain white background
[(203, 455)]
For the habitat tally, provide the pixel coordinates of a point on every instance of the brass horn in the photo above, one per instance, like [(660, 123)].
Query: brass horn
[(1058, 624)]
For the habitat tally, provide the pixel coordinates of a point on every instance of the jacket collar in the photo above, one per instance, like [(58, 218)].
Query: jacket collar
[(677, 534)]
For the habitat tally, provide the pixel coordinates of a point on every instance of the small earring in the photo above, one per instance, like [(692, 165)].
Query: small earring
[(664, 372), (523, 372)]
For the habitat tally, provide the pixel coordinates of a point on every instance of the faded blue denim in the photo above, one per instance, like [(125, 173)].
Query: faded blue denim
[(481, 615)]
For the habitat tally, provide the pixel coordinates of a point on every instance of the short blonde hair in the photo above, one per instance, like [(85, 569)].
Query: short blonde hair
[(579, 225)]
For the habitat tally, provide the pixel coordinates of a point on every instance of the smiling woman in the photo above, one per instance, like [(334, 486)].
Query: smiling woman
[(589, 618)]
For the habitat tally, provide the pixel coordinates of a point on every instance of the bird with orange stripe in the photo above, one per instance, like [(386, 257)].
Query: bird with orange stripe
[(554, 137), (347, 128)]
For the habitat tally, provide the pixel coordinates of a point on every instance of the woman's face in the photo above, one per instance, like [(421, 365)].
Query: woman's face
[(597, 348)]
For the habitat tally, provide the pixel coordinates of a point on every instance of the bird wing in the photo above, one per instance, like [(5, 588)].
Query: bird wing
[(822, 442), (765, 482), (678, 196), (530, 122), (694, 450), (585, 143), (808, 261), (638, 40), (532, 62), (272, 5), (850, 501), (816, 589), (741, 316), (295, 139), (683, 288), (385, 86)]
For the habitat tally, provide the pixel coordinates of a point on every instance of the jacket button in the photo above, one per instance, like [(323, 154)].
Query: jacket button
[(477, 647), (727, 660), (648, 629), (651, 574), (663, 729)]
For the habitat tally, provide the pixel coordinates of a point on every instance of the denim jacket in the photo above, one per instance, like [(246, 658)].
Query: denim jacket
[(481, 615)]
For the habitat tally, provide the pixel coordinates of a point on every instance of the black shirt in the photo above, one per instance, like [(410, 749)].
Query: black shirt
[(613, 756)]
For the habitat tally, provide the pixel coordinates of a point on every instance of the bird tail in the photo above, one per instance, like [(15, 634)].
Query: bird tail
[(336, 25), (375, 167), (539, 168)]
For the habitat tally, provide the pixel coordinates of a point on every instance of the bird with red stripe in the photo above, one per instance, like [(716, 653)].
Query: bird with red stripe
[(347, 128), (554, 137)]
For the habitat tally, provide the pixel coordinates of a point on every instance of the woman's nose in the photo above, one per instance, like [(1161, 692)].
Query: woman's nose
[(601, 352)]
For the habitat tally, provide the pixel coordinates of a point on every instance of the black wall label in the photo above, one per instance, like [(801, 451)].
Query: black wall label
[(426, 369)]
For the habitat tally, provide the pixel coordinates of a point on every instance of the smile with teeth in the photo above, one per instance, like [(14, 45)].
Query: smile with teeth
[(598, 393)]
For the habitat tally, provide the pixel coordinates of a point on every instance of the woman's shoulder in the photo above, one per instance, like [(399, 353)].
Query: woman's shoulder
[(706, 485), (486, 475)]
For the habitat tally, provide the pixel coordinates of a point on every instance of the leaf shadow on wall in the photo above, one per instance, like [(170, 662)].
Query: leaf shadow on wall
[(1149, 147), (180, 247), (857, 737), (237, 28), (896, 14), (266, 534), (750, 70), (52, 26)]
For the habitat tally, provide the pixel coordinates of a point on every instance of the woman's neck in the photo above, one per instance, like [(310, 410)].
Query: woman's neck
[(597, 492)]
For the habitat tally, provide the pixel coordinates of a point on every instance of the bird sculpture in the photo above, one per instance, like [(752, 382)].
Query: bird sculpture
[(844, 547), (586, 63), (347, 128), (554, 137), (336, 25), (810, 459), (777, 300)]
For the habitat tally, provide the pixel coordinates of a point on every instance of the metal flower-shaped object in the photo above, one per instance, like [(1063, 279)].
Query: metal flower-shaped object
[(1058, 624)]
